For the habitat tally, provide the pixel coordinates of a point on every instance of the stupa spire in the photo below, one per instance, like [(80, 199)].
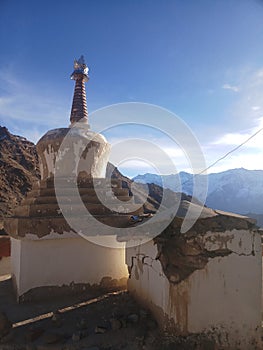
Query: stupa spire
[(79, 111)]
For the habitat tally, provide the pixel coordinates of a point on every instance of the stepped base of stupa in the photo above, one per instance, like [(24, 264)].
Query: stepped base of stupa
[(41, 215)]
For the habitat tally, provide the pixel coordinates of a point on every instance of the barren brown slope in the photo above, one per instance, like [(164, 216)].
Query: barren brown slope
[(18, 169)]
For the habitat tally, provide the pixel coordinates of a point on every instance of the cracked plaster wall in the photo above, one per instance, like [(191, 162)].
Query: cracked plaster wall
[(219, 296)]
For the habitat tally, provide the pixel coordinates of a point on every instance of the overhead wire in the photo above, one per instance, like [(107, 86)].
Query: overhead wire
[(231, 151), (224, 156)]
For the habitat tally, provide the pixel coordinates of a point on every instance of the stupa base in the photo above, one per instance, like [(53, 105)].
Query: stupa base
[(64, 265)]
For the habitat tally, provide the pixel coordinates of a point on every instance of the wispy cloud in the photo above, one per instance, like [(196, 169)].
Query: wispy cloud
[(255, 108), (149, 154), (230, 87), (249, 155), (24, 103), (245, 117), (29, 110), (237, 138)]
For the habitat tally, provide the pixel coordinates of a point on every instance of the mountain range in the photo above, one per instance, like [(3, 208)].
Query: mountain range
[(237, 190)]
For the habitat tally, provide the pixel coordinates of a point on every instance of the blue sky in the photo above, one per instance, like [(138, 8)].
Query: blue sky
[(202, 60)]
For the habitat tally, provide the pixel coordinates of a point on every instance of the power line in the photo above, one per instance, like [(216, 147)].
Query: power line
[(224, 156), (231, 151)]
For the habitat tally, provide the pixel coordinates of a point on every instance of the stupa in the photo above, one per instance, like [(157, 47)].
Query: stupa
[(46, 252)]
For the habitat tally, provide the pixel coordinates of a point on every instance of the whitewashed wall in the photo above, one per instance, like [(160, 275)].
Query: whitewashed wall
[(61, 261), (224, 298), (5, 266)]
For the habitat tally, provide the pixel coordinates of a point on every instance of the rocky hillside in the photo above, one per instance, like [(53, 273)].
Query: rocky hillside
[(18, 169)]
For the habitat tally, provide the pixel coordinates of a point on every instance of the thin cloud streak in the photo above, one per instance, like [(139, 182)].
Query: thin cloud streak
[(230, 87), (23, 103)]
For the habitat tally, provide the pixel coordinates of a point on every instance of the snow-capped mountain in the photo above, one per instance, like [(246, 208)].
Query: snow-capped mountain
[(237, 190)]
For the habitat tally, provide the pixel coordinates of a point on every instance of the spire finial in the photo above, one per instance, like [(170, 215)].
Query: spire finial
[(80, 67), (79, 111)]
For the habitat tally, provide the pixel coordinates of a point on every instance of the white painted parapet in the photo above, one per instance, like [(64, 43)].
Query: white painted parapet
[(222, 300)]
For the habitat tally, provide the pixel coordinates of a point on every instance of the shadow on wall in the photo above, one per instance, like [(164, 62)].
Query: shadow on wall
[(5, 251)]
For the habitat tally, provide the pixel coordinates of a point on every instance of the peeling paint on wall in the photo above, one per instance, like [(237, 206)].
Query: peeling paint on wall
[(202, 286), (181, 254)]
